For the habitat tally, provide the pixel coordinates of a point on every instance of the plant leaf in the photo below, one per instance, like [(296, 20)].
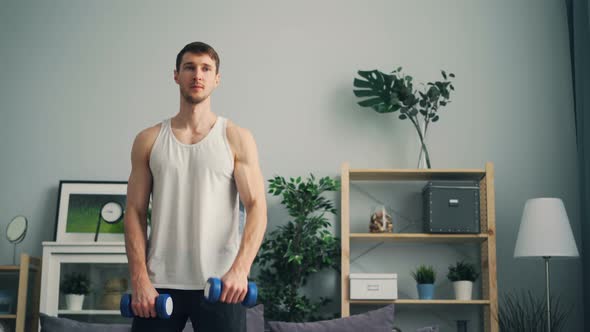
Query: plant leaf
[(370, 102), (361, 84), (364, 93)]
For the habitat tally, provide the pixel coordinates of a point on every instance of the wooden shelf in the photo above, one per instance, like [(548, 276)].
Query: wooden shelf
[(89, 312), (5, 316), (416, 301), (368, 174), (420, 237), (9, 268), (28, 289)]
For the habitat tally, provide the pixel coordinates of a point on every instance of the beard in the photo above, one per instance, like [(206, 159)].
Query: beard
[(191, 99)]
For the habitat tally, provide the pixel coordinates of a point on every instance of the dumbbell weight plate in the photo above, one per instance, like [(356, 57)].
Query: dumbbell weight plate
[(164, 306), (213, 290)]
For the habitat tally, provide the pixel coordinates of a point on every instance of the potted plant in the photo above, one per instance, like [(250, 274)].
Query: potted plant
[(297, 249), (462, 275), (75, 286), (388, 93), (425, 277)]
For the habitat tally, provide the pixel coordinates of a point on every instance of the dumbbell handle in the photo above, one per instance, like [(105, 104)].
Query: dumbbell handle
[(214, 288), (163, 304)]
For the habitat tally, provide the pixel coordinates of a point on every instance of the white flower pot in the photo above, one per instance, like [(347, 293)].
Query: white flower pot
[(463, 289), (74, 301)]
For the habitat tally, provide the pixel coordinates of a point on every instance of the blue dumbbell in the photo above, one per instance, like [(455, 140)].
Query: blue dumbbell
[(163, 303), (214, 287)]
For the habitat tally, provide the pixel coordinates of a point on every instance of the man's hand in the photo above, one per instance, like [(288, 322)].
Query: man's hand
[(143, 299), (235, 286)]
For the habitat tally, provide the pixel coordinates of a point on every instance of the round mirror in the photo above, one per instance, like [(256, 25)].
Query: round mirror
[(16, 229), (111, 212)]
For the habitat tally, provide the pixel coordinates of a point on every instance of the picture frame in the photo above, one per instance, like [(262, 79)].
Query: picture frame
[(84, 211)]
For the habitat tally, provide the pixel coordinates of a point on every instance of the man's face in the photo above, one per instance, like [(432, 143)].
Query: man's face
[(197, 78)]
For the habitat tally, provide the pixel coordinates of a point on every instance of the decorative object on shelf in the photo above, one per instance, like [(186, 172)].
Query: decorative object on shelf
[(79, 205), (298, 249), (75, 286), (6, 302), (16, 232), (519, 310), (451, 207), (425, 277), (545, 232), (380, 221), (462, 275), (388, 93), (114, 288), (373, 286)]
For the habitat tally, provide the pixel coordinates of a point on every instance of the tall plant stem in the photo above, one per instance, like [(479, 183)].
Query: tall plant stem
[(417, 126)]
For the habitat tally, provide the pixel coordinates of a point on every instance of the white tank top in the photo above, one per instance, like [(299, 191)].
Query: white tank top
[(196, 229)]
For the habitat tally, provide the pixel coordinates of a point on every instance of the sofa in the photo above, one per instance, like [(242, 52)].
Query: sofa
[(379, 320)]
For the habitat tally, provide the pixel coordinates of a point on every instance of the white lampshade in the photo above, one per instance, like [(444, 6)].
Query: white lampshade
[(545, 230)]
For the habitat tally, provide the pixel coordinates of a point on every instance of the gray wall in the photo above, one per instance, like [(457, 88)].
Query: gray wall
[(80, 79)]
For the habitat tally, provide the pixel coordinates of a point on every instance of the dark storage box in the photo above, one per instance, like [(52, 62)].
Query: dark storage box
[(451, 207)]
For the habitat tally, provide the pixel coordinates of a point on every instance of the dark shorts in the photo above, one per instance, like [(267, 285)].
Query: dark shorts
[(205, 316)]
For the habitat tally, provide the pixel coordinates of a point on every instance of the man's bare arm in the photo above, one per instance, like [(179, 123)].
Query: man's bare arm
[(250, 184), (138, 193)]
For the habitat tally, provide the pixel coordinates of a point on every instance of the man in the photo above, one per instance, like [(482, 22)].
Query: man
[(197, 166)]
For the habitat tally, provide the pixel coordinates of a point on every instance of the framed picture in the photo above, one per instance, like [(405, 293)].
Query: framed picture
[(90, 211)]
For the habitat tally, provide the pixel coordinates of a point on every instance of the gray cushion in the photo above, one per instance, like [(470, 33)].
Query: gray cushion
[(255, 319), (59, 324), (254, 323), (380, 320)]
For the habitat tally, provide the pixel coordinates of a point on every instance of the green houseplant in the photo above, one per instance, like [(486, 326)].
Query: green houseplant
[(75, 286), (462, 275), (425, 277), (522, 311), (388, 93), (294, 251)]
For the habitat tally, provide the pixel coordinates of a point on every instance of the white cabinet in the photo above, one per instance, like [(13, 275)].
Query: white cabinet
[(106, 266)]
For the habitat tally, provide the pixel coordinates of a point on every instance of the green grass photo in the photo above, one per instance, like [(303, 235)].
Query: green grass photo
[(84, 210)]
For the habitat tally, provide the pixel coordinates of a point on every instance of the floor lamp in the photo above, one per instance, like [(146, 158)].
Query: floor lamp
[(545, 232)]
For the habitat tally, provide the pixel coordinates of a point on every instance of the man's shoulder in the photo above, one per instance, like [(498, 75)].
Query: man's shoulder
[(146, 138), (238, 136), (149, 134)]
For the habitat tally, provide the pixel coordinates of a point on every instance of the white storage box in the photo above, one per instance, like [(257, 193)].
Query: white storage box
[(373, 286)]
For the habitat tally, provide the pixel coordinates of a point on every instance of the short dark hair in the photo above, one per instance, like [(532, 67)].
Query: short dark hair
[(198, 48)]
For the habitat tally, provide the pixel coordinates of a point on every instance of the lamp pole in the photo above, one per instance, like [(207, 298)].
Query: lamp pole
[(546, 258)]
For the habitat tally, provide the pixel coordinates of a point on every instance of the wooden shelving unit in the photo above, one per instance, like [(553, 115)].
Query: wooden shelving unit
[(420, 237), (25, 320), (410, 301), (486, 239)]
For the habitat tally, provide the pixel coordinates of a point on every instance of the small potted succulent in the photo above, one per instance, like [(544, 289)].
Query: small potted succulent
[(462, 275), (425, 277), (75, 286)]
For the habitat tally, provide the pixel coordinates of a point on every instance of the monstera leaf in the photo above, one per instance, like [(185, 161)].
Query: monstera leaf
[(388, 92), (379, 87)]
